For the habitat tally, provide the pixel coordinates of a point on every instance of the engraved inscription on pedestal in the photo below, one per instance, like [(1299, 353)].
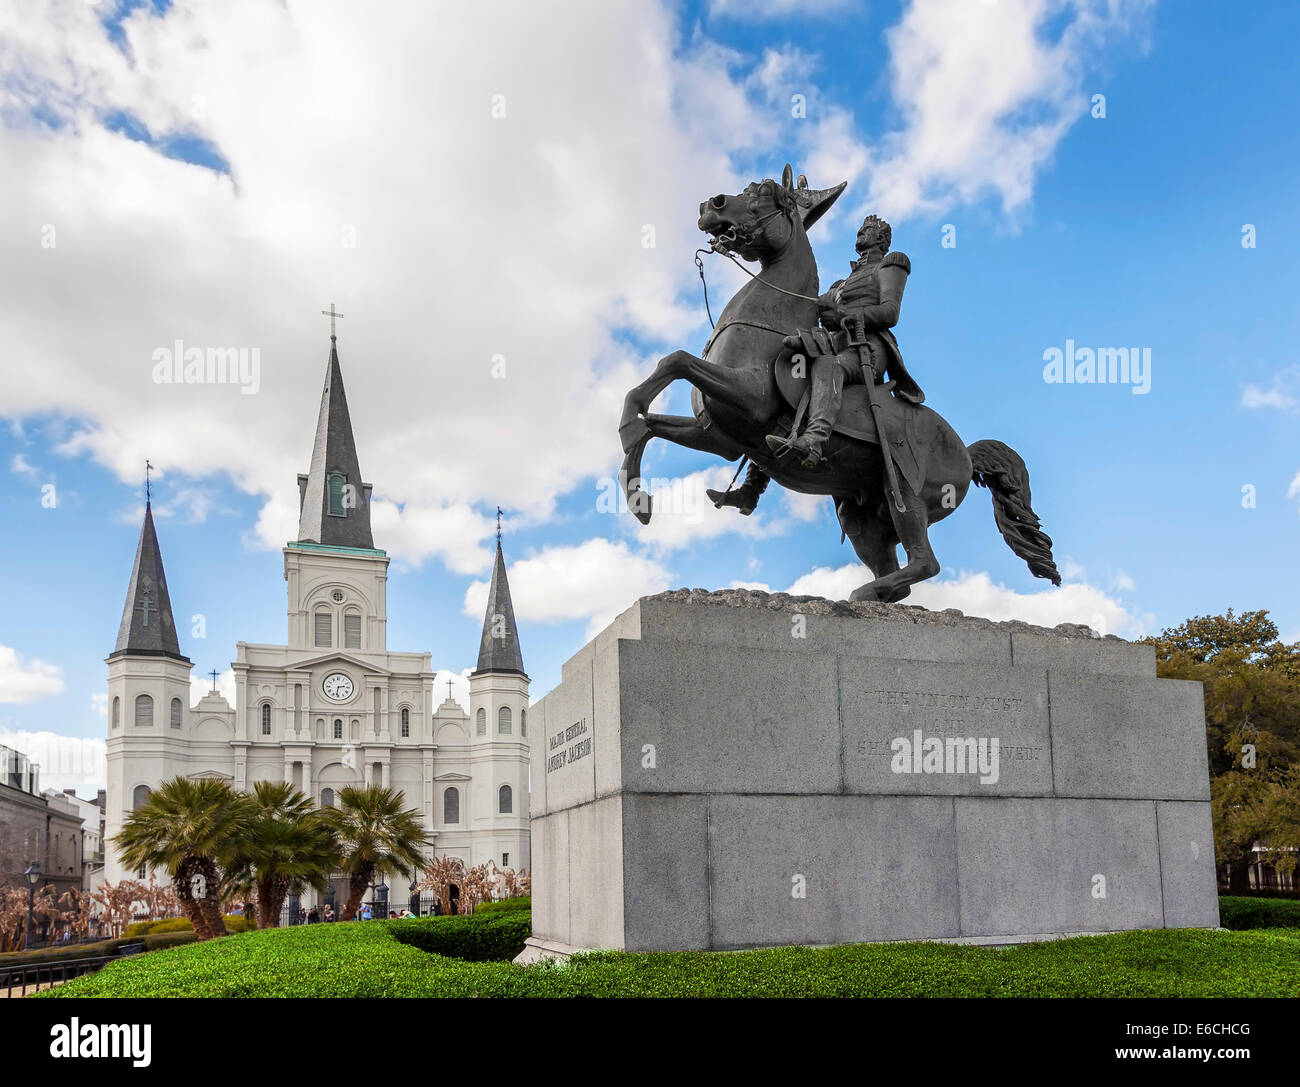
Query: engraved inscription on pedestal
[(924, 728), (568, 745)]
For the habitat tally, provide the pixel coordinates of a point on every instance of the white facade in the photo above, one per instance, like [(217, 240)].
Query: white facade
[(332, 707)]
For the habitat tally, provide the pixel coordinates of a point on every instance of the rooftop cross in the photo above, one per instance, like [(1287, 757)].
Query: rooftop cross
[(331, 313), (449, 690), (498, 524), (147, 469), (213, 674)]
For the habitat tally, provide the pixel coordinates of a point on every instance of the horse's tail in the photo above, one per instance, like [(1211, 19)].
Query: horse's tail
[(999, 468)]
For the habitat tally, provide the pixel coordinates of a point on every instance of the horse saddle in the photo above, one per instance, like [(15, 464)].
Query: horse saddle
[(855, 420)]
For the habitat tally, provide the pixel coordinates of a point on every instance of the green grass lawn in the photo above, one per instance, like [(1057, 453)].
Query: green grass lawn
[(387, 959)]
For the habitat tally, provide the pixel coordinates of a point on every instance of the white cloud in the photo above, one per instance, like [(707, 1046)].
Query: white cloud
[(21, 467), (595, 580), (459, 688), (26, 680), (99, 703), (1294, 489), (1122, 583), (451, 532), (65, 761), (974, 593), (1071, 570), (187, 503), (987, 94), (684, 517), (366, 168), (1281, 394), (201, 685)]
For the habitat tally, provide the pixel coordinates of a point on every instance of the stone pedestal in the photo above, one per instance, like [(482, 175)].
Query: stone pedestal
[(734, 770)]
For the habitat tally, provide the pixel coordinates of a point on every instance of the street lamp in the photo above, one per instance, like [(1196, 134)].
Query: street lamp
[(33, 876)]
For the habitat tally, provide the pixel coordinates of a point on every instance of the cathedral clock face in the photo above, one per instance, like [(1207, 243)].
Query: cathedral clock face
[(338, 686)]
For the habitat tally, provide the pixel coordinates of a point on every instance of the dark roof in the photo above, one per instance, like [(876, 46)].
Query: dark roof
[(499, 648), (334, 451), (147, 628)]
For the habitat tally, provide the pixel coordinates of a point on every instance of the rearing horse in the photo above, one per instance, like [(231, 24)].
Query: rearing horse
[(737, 402)]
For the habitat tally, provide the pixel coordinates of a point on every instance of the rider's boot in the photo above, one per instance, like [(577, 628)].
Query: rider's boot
[(823, 402), (745, 497)]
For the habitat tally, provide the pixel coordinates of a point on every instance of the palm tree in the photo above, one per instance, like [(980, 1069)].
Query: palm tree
[(288, 845), (376, 835), (187, 828)]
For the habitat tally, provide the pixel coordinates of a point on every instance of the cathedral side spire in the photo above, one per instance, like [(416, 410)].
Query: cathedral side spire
[(499, 647), (147, 628), (334, 503)]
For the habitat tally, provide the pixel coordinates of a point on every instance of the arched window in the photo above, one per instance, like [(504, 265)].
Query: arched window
[(451, 805), (324, 628), (523, 722), (143, 711), (338, 488), (327, 798), (480, 722), (338, 728), (266, 719), (505, 800), (406, 721), (352, 630), (139, 797), (503, 721), (176, 713), (117, 712)]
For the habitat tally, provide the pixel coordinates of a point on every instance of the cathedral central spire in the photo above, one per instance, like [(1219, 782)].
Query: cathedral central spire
[(334, 504)]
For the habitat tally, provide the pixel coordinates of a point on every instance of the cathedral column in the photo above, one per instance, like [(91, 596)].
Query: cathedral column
[(241, 708), (288, 770), (306, 726), (383, 713)]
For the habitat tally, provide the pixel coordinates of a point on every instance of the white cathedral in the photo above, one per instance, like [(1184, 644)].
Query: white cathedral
[(334, 706)]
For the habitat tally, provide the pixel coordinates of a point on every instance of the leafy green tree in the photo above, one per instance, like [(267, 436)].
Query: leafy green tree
[(187, 828), (376, 835), (287, 845), (1252, 720)]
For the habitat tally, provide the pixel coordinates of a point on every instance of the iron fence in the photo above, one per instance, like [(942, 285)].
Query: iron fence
[(47, 974)]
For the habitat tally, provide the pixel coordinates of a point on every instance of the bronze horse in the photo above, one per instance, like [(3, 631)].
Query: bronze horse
[(737, 402)]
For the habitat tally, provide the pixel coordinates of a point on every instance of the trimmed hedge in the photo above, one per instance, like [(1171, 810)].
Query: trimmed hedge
[(365, 959), (234, 923), (1237, 913), (484, 936), (94, 950), (524, 902)]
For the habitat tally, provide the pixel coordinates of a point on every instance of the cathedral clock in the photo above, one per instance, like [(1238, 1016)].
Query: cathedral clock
[(338, 686)]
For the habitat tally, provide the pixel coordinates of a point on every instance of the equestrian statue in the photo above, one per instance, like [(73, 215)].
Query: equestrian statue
[(812, 390)]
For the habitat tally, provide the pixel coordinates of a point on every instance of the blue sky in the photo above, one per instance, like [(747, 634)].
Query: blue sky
[(524, 238)]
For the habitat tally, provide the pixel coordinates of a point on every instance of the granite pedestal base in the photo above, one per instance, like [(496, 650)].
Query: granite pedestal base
[(734, 770)]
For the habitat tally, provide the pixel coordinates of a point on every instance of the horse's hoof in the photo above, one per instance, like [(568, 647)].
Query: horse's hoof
[(874, 592), (633, 432), (641, 503)]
